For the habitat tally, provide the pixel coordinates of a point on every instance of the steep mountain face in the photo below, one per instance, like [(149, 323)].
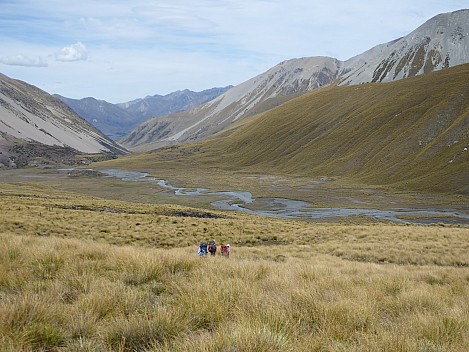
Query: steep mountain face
[(34, 119), (258, 94), (412, 134), (117, 120), (441, 42)]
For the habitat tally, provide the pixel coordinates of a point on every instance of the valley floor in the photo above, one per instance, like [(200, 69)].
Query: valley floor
[(318, 194)]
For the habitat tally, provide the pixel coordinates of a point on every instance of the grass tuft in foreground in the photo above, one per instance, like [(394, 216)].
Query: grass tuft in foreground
[(137, 299)]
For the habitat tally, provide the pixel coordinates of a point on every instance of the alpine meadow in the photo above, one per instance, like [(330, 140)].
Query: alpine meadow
[(341, 187)]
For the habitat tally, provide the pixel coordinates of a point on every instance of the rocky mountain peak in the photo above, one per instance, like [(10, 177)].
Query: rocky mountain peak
[(441, 42)]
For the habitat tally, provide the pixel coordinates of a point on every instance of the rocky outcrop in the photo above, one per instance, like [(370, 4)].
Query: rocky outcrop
[(441, 42)]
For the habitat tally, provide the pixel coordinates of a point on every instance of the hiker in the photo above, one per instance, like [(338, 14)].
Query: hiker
[(203, 249), (225, 250), (212, 247)]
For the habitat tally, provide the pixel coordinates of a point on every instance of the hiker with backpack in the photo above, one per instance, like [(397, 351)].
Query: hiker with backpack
[(212, 247), (203, 249), (225, 250)]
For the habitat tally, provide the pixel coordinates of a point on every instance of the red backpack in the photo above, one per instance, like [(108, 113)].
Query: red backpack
[(224, 249)]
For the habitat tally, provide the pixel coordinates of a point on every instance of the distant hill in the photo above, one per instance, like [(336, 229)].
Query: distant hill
[(411, 133), (109, 118), (116, 120), (34, 125), (180, 100), (440, 43)]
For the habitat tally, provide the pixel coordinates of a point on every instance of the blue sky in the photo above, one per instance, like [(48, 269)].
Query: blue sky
[(120, 50)]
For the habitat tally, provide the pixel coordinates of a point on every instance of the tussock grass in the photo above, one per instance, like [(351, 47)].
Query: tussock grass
[(47, 213), (288, 286), (246, 303)]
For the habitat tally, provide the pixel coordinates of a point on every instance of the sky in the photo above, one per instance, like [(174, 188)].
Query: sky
[(120, 50)]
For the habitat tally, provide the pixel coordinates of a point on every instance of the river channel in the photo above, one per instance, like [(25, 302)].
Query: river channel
[(290, 208)]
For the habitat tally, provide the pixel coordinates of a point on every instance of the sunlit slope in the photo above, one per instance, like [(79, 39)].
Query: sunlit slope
[(412, 132)]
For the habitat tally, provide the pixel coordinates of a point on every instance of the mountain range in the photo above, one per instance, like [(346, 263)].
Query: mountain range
[(117, 120), (396, 114), (440, 43)]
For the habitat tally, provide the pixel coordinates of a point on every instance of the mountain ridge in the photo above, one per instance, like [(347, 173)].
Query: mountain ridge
[(439, 43), (296, 75), (117, 120), (408, 56)]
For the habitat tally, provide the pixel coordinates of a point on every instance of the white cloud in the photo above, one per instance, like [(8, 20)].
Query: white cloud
[(22, 60), (74, 52), (143, 47)]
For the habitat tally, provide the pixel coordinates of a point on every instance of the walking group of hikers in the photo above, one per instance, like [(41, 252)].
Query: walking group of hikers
[(211, 247)]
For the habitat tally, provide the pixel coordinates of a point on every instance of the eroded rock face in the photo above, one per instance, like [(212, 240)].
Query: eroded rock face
[(30, 114), (441, 42), (33, 124)]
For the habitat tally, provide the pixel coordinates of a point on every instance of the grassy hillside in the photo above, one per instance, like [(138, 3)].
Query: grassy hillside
[(87, 274), (411, 134)]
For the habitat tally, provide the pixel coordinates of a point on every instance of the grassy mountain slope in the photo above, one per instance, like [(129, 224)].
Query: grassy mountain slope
[(410, 133), (439, 43)]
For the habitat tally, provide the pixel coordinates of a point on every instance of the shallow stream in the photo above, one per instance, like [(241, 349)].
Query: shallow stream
[(289, 208)]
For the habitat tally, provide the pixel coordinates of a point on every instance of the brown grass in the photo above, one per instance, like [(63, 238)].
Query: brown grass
[(28, 209), (68, 285), (64, 294)]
